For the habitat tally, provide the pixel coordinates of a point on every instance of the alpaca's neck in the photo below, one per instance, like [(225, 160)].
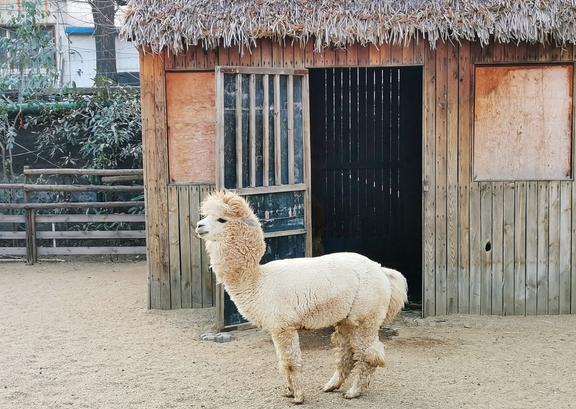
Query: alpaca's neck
[(241, 274), (235, 259), (236, 265)]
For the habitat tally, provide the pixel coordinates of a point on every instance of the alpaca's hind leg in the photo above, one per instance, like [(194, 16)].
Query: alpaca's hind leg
[(344, 358), (290, 360), (368, 355)]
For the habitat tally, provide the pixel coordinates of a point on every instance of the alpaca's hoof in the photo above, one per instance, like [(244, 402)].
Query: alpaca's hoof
[(298, 400), (334, 383), (289, 393), (352, 394), (330, 387)]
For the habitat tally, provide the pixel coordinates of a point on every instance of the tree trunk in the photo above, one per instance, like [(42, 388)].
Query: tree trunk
[(105, 37)]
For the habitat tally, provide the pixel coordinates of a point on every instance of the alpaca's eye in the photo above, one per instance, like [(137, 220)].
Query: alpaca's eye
[(221, 220)]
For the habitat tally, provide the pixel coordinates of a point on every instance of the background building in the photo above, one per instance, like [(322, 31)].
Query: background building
[(72, 25)]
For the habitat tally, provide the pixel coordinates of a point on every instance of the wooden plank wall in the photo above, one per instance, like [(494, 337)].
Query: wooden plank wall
[(191, 281), (488, 248), (521, 232)]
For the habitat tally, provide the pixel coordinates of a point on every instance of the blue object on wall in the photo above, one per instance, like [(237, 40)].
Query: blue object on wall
[(79, 30)]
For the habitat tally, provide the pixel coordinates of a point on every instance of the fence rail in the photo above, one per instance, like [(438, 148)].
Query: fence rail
[(31, 220)]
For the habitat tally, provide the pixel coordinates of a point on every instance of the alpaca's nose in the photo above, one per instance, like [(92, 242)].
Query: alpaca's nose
[(200, 231)]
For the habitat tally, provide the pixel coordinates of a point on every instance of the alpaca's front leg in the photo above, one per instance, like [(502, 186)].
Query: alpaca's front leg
[(288, 392), (290, 359)]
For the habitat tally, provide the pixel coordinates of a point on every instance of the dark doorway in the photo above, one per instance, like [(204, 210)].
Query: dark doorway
[(366, 150)]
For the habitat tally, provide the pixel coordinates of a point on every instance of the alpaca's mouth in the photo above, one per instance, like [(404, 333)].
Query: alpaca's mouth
[(200, 233)]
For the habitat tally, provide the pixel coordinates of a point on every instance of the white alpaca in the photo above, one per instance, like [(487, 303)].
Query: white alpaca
[(345, 290)]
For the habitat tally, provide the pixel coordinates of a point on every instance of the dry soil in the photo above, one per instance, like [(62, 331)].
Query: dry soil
[(78, 335)]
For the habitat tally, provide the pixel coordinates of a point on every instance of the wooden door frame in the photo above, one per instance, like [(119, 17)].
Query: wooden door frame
[(278, 188)]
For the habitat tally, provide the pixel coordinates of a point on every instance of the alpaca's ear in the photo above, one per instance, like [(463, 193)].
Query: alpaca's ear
[(251, 222)]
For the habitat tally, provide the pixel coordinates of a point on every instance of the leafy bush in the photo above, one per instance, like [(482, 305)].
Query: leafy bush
[(27, 67), (27, 55), (103, 131)]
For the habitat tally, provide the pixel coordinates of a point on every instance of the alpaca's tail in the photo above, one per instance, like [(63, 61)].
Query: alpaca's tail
[(399, 293)]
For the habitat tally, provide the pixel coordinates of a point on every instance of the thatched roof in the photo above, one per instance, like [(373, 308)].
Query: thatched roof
[(176, 24)]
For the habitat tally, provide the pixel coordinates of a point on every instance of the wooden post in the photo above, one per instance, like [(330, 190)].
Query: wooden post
[(155, 150), (31, 256)]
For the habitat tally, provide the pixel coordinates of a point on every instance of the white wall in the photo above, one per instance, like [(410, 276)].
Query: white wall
[(79, 59), (79, 63)]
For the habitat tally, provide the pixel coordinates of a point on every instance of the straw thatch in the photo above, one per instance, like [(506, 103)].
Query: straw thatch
[(177, 24)]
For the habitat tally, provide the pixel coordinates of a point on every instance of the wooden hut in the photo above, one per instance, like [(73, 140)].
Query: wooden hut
[(433, 136)]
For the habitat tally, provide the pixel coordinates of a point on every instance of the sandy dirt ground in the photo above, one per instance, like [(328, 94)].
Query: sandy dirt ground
[(78, 335)]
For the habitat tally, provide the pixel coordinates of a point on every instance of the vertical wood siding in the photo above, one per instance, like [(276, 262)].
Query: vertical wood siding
[(192, 282), (488, 248)]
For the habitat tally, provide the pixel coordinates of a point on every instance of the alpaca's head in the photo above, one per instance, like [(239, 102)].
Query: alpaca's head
[(226, 213)]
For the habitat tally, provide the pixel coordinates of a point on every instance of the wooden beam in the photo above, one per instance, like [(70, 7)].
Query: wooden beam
[(497, 247), (12, 235), (475, 249), (12, 219), (542, 239), (252, 130), (159, 211), (464, 138), (92, 234), (12, 251), (71, 205), (155, 152), (147, 91), (174, 237), (219, 148), (123, 178), (520, 249), (440, 169), (85, 172), (554, 249), (277, 133), (565, 245), (265, 131), (81, 188), (290, 92), (91, 218), (238, 116), (532, 247), (307, 158), (573, 285), (284, 233), (429, 184), (195, 248), (508, 274), (256, 70), (486, 248), (63, 251), (208, 279), (185, 249), (452, 175), (271, 189)]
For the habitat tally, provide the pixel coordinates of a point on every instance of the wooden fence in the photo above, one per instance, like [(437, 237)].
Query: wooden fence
[(31, 220)]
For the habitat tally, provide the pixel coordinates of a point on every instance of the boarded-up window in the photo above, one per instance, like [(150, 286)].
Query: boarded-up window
[(191, 115), (523, 122)]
